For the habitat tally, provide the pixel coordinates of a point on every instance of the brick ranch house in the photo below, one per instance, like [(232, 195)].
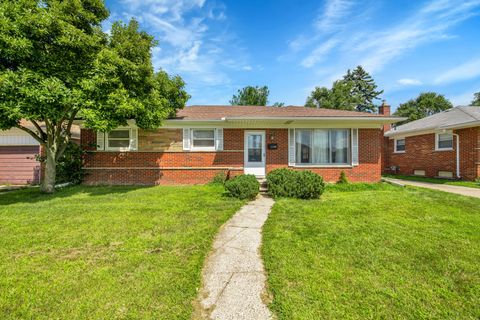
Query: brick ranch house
[(446, 144), (202, 141)]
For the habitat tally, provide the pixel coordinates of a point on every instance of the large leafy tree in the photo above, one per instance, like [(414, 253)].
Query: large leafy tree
[(476, 99), (424, 105), (251, 96), (355, 91), (56, 64), (338, 97)]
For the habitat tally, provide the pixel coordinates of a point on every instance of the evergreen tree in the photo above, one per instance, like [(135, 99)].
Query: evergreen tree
[(363, 88), (356, 91)]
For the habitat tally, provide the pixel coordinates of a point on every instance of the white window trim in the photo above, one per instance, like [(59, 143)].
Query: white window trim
[(437, 137), (348, 164), (213, 148), (395, 145), (130, 137)]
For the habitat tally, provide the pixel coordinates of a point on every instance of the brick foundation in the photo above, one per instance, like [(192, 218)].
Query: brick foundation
[(150, 168)]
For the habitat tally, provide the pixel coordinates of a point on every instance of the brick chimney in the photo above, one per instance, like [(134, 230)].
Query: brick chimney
[(384, 109)]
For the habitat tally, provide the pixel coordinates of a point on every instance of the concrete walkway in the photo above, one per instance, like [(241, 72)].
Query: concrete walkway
[(464, 191), (233, 276)]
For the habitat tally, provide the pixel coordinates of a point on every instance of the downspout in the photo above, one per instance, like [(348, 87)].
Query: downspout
[(457, 154)]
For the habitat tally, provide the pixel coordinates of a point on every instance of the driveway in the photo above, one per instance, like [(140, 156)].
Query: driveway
[(464, 191)]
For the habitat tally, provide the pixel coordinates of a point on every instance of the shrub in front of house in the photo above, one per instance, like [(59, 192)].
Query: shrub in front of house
[(343, 178), (244, 186), (303, 184), (309, 185), (281, 182), (219, 178)]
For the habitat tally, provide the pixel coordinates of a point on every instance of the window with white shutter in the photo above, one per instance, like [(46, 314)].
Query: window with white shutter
[(355, 159), (291, 147), (186, 139), (100, 140), (219, 138)]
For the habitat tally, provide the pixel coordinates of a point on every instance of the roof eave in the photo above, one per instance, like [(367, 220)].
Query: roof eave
[(324, 118), (469, 124)]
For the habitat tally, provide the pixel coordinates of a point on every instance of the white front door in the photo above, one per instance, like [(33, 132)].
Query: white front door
[(255, 153)]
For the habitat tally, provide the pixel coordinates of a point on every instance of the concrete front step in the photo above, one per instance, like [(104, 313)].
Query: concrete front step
[(263, 184)]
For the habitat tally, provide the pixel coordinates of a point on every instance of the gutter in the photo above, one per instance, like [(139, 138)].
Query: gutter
[(388, 119), (457, 155)]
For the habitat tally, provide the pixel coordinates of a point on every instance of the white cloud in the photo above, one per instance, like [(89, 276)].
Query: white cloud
[(192, 37), (173, 10), (354, 44), (463, 99), (319, 53), (333, 12), (466, 71), (409, 82), (430, 23), (247, 68)]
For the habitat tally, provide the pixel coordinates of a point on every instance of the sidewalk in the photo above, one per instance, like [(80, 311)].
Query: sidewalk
[(233, 277), (464, 191)]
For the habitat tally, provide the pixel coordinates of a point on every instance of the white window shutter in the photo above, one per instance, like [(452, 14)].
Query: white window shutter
[(291, 147), (219, 139), (186, 139), (133, 139), (100, 140), (355, 160)]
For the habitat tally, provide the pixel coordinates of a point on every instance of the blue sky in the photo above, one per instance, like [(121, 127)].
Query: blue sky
[(219, 47)]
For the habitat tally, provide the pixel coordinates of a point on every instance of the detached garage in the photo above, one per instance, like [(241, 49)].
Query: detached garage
[(18, 164)]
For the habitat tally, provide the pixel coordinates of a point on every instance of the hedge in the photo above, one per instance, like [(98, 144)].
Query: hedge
[(244, 186), (302, 184)]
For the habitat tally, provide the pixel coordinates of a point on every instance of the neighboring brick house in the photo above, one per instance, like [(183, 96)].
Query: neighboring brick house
[(446, 144), (205, 140)]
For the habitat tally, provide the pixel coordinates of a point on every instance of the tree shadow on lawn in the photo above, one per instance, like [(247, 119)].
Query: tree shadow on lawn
[(34, 195)]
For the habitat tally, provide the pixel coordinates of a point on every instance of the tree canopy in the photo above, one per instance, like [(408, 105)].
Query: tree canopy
[(424, 105), (355, 91), (57, 64), (338, 97), (251, 96), (476, 99)]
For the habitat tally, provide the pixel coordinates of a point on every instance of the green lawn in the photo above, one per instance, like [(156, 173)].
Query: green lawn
[(374, 252), (106, 252), (470, 184)]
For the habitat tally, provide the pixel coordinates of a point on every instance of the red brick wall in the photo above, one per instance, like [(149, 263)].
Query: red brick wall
[(421, 155), (201, 167)]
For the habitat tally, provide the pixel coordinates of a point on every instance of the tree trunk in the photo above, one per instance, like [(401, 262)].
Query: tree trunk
[(48, 183)]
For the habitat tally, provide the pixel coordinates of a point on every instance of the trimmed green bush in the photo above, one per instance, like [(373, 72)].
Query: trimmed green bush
[(309, 185), (303, 184), (244, 186), (343, 178), (280, 182), (219, 178)]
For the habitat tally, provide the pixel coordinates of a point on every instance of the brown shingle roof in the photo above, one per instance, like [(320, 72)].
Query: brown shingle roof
[(219, 112), (75, 130)]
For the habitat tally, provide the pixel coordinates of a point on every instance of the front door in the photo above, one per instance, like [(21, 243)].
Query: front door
[(255, 153)]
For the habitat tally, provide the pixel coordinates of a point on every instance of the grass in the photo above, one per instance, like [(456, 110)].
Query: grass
[(462, 183), (374, 252), (106, 252)]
